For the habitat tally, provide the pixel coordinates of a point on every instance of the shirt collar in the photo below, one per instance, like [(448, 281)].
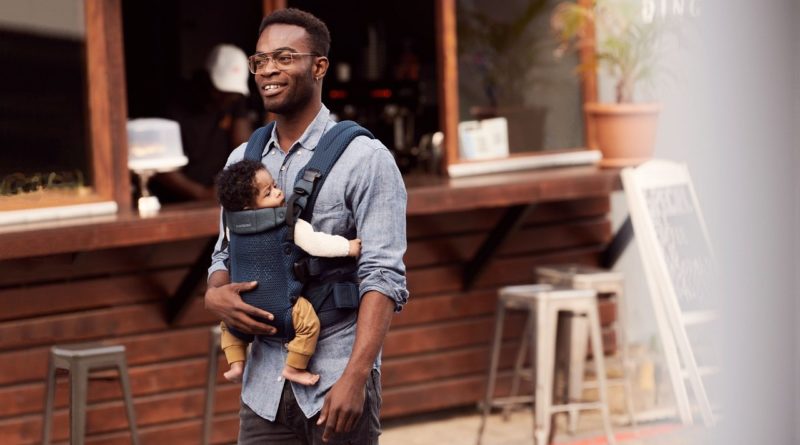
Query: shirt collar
[(310, 137)]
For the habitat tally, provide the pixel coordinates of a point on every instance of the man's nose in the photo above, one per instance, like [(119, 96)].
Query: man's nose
[(268, 68)]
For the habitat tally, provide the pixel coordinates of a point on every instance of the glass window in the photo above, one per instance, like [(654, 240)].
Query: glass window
[(507, 68), (44, 131)]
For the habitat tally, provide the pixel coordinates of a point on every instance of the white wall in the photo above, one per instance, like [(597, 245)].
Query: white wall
[(732, 118), (796, 201)]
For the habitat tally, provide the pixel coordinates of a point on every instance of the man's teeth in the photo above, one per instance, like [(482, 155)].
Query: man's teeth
[(271, 87)]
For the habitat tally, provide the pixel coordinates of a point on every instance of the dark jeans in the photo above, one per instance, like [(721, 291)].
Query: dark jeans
[(292, 428)]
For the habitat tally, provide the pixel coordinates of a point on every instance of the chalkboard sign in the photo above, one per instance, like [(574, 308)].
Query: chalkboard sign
[(679, 266), (680, 236)]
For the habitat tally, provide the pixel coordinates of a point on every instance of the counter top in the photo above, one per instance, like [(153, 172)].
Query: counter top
[(426, 195)]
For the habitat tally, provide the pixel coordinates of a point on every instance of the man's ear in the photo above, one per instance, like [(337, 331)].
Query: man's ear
[(320, 67)]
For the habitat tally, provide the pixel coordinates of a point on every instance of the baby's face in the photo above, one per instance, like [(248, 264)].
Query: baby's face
[(269, 195)]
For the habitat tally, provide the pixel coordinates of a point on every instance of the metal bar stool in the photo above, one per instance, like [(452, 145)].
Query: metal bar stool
[(211, 382), (543, 303), (79, 360), (603, 281)]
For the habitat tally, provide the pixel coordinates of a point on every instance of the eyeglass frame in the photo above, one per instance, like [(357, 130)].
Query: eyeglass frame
[(270, 57)]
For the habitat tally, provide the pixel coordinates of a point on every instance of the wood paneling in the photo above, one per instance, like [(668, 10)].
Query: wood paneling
[(439, 344), (100, 263)]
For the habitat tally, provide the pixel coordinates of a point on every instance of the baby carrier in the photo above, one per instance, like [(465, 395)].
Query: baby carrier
[(261, 246)]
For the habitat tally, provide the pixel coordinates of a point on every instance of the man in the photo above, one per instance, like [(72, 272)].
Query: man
[(213, 116), (363, 195)]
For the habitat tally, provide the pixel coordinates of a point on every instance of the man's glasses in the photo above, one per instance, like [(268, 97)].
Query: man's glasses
[(282, 60)]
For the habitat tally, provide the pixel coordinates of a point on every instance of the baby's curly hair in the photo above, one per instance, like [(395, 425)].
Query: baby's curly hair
[(236, 185)]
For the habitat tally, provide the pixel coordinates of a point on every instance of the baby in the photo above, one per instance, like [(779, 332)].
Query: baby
[(248, 185)]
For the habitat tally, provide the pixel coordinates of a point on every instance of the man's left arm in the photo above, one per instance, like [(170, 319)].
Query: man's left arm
[(379, 207)]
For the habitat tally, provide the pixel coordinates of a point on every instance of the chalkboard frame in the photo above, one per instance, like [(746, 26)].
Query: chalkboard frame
[(671, 319)]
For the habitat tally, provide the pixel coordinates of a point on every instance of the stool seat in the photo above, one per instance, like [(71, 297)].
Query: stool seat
[(573, 269), (581, 277), (86, 350), (543, 303), (528, 294), (79, 359)]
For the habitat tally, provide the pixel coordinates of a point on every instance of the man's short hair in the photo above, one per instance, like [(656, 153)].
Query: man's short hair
[(317, 30), (236, 185)]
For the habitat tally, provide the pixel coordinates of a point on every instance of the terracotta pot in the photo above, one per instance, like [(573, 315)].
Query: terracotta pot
[(624, 133)]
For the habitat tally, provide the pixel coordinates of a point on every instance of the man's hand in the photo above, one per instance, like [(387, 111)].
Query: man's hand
[(344, 403), (343, 406), (223, 299)]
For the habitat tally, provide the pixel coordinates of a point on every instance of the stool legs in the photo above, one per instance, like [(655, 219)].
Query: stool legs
[(211, 381), (128, 395), (597, 352), (79, 378), (578, 333), (48, 402), (622, 323), (490, 385), (546, 321), (527, 332)]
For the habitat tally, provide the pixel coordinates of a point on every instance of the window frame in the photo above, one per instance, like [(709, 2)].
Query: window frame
[(106, 119)]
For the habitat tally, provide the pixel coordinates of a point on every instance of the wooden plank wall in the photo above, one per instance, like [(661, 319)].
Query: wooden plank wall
[(435, 356)]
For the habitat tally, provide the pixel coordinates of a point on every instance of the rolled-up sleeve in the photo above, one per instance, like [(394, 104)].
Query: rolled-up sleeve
[(379, 208), (219, 257)]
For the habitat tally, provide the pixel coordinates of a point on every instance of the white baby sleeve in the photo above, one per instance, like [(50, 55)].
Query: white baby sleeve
[(318, 243)]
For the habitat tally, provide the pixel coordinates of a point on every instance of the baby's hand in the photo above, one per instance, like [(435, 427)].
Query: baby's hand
[(355, 248)]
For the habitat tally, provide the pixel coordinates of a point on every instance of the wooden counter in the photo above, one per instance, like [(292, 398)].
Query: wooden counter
[(112, 279), (426, 195)]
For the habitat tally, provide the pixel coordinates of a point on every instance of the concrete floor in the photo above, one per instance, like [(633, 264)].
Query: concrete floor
[(461, 429)]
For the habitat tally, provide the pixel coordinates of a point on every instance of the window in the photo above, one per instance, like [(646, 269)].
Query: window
[(62, 121)]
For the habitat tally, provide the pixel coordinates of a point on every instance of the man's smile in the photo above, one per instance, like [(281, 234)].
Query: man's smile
[(271, 89)]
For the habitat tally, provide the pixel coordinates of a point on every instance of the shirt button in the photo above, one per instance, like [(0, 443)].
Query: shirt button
[(286, 346), (287, 250), (283, 168)]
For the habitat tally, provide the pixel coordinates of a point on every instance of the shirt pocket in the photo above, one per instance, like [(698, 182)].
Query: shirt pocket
[(331, 217)]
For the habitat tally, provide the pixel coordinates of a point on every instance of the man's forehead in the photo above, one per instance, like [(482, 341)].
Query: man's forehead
[(283, 36)]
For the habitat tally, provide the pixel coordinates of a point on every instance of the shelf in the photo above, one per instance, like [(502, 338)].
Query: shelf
[(426, 195)]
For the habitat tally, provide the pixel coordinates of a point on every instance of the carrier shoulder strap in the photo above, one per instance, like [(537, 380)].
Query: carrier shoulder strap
[(310, 179), (258, 140)]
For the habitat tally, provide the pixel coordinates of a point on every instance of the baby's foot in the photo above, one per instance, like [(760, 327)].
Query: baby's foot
[(235, 373), (300, 376)]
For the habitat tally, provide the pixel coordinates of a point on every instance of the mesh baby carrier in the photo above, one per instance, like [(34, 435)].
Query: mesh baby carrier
[(262, 248)]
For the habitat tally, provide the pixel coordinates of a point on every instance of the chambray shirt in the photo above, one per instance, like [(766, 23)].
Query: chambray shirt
[(363, 197)]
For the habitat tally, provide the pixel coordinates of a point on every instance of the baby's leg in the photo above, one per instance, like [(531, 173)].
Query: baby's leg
[(235, 352), (302, 346)]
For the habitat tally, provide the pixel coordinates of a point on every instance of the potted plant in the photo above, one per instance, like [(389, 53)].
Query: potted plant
[(629, 48)]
